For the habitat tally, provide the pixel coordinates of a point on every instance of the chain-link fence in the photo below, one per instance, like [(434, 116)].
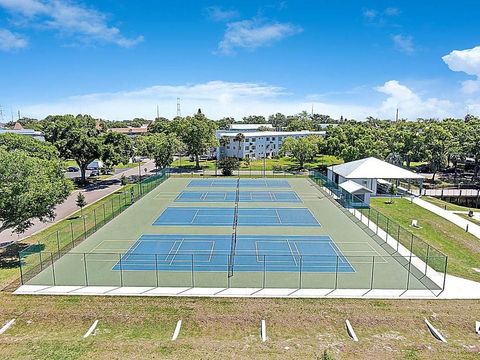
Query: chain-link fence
[(388, 232), (212, 270), (60, 241)]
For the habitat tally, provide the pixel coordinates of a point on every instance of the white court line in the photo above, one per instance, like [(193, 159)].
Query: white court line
[(177, 330), (350, 330), (176, 252), (278, 216), (194, 216), (263, 331), (7, 326), (91, 329), (291, 251)]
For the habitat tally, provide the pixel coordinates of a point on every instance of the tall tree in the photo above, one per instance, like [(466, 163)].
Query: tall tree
[(160, 125), (40, 149), (162, 148), (254, 119), (278, 120), (75, 137), (240, 138), (30, 188), (437, 144), (117, 149), (197, 133), (302, 149)]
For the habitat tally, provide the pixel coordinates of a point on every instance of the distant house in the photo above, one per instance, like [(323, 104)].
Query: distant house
[(257, 144), (20, 130), (131, 131), (369, 176)]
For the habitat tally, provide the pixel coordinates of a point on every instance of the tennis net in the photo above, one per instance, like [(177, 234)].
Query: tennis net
[(233, 244)]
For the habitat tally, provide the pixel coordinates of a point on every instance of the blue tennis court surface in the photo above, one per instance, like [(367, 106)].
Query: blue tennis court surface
[(243, 183), (245, 196), (214, 216), (253, 253)]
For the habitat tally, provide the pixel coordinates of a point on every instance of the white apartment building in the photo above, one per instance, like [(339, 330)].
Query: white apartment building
[(257, 144)]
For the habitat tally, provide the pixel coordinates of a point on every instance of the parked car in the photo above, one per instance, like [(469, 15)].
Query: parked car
[(73, 169), (95, 173), (95, 165)]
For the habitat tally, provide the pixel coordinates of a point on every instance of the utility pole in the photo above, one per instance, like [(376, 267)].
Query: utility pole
[(18, 114), (158, 113), (1, 114), (396, 115)]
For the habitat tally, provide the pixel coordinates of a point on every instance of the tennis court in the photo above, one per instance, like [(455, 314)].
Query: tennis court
[(253, 253), (254, 183), (245, 196), (241, 233), (212, 216)]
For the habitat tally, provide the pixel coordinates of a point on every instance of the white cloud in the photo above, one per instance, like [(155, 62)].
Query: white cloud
[(218, 99), (467, 61), (252, 34), (403, 43), (10, 41), (412, 105), (67, 17), (391, 11), (217, 13), (370, 14)]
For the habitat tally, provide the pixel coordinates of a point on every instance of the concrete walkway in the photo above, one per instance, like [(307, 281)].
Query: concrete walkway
[(450, 216), (68, 207)]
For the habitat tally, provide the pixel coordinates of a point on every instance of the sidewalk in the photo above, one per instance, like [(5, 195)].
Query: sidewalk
[(448, 215), (68, 207)]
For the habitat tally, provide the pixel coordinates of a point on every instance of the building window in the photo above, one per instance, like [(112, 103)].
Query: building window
[(273, 138)]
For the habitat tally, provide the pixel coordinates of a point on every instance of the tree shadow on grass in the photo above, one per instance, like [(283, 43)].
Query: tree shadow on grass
[(9, 256)]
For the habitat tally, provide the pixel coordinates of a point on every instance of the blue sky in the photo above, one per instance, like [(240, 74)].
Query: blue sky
[(119, 59)]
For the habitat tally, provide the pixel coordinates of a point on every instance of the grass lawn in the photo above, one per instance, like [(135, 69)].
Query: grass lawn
[(141, 327), (256, 165), (463, 249), (444, 204)]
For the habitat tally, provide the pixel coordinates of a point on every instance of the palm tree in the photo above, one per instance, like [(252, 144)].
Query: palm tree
[(240, 138), (223, 141)]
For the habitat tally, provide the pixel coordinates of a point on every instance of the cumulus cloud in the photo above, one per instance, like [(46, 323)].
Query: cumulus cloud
[(370, 13), (68, 17), (218, 99), (252, 34), (380, 16), (467, 61), (391, 11), (10, 41), (216, 13), (403, 43), (411, 104)]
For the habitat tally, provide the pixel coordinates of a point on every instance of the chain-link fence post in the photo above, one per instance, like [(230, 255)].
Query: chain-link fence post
[(85, 268)]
